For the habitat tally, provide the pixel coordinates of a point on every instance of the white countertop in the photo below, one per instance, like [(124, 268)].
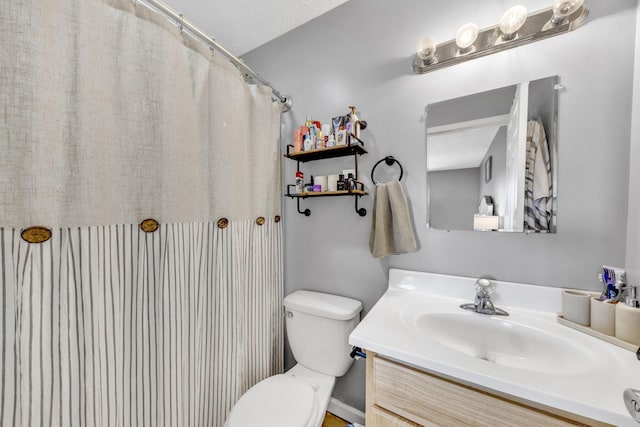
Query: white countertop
[(593, 389)]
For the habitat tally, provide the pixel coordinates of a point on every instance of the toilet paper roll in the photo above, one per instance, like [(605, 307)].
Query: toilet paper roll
[(332, 182), (320, 180)]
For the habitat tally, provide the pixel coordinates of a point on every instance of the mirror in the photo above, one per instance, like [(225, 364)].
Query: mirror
[(492, 160)]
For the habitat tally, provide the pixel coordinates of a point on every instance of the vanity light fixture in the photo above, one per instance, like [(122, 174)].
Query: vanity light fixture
[(516, 28)]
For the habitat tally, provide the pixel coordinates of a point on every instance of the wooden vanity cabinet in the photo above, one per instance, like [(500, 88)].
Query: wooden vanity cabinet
[(401, 396)]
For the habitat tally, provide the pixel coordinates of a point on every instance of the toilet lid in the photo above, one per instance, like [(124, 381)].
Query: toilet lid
[(275, 402)]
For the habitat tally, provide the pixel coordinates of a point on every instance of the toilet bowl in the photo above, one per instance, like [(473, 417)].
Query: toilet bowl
[(318, 327), (299, 397)]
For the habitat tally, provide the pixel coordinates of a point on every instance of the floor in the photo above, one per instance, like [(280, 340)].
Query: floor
[(331, 420)]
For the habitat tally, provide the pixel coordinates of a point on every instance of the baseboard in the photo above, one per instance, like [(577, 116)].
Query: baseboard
[(345, 411)]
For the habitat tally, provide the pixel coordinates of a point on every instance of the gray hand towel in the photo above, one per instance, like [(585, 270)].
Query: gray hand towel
[(391, 222)]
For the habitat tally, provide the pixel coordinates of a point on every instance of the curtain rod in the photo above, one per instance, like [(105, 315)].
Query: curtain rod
[(183, 23)]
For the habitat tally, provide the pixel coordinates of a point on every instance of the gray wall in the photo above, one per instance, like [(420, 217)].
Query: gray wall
[(360, 54), (455, 197), (496, 188)]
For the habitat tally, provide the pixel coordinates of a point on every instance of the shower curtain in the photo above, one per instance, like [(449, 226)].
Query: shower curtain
[(112, 115)]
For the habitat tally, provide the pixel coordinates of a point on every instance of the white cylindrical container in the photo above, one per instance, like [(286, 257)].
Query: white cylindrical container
[(628, 323), (332, 182), (603, 316), (576, 306)]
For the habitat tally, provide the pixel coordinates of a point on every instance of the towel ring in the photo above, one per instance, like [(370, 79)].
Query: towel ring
[(389, 160)]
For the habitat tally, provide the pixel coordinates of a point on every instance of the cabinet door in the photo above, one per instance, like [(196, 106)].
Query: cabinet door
[(428, 400), (381, 418)]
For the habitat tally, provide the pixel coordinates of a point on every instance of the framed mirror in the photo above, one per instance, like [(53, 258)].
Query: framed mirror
[(492, 160)]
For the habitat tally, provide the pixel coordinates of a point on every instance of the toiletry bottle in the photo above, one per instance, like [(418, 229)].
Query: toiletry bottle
[(320, 141), (297, 141), (353, 125), (313, 135), (304, 131), (299, 182), (336, 124), (307, 143), (355, 120), (351, 182), (331, 142), (340, 186), (632, 295), (326, 129)]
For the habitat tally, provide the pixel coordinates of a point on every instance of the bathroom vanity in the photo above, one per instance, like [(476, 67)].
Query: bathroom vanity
[(399, 395), (431, 363)]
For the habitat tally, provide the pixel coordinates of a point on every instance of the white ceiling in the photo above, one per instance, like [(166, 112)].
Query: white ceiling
[(242, 25), (459, 150)]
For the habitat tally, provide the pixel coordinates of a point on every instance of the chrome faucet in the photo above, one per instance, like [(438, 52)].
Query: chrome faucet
[(482, 303)]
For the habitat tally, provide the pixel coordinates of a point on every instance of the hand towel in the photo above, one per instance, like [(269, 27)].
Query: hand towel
[(391, 223)]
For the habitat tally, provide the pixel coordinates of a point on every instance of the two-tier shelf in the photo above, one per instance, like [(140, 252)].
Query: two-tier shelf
[(356, 148)]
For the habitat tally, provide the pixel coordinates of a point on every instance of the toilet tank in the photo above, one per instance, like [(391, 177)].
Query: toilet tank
[(318, 328)]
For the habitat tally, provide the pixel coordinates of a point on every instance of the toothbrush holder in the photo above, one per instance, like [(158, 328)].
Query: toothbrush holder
[(603, 316), (576, 306)]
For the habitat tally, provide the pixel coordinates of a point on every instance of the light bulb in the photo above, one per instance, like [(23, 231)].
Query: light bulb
[(563, 8), (427, 49), (466, 37), (512, 20)]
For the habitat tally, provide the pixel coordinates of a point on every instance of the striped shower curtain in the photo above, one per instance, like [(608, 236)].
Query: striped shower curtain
[(111, 115), (113, 326)]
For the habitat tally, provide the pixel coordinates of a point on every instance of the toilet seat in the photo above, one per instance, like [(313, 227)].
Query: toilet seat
[(277, 401)]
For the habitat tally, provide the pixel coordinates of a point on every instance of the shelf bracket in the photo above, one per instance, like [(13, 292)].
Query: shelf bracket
[(305, 212), (361, 211)]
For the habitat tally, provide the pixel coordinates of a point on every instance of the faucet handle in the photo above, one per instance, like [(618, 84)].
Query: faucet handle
[(485, 287)]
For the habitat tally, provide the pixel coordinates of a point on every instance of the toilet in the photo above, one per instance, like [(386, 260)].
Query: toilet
[(318, 327)]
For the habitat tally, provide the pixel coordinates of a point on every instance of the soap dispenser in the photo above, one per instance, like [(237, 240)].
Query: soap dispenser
[(632, 297), (628, 318)]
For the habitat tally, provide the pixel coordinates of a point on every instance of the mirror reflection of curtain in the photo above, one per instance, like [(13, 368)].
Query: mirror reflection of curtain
[(112, 115), (538, 179), (516, 134)]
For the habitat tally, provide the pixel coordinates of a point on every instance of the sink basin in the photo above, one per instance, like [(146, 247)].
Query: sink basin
[(504, 342)]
